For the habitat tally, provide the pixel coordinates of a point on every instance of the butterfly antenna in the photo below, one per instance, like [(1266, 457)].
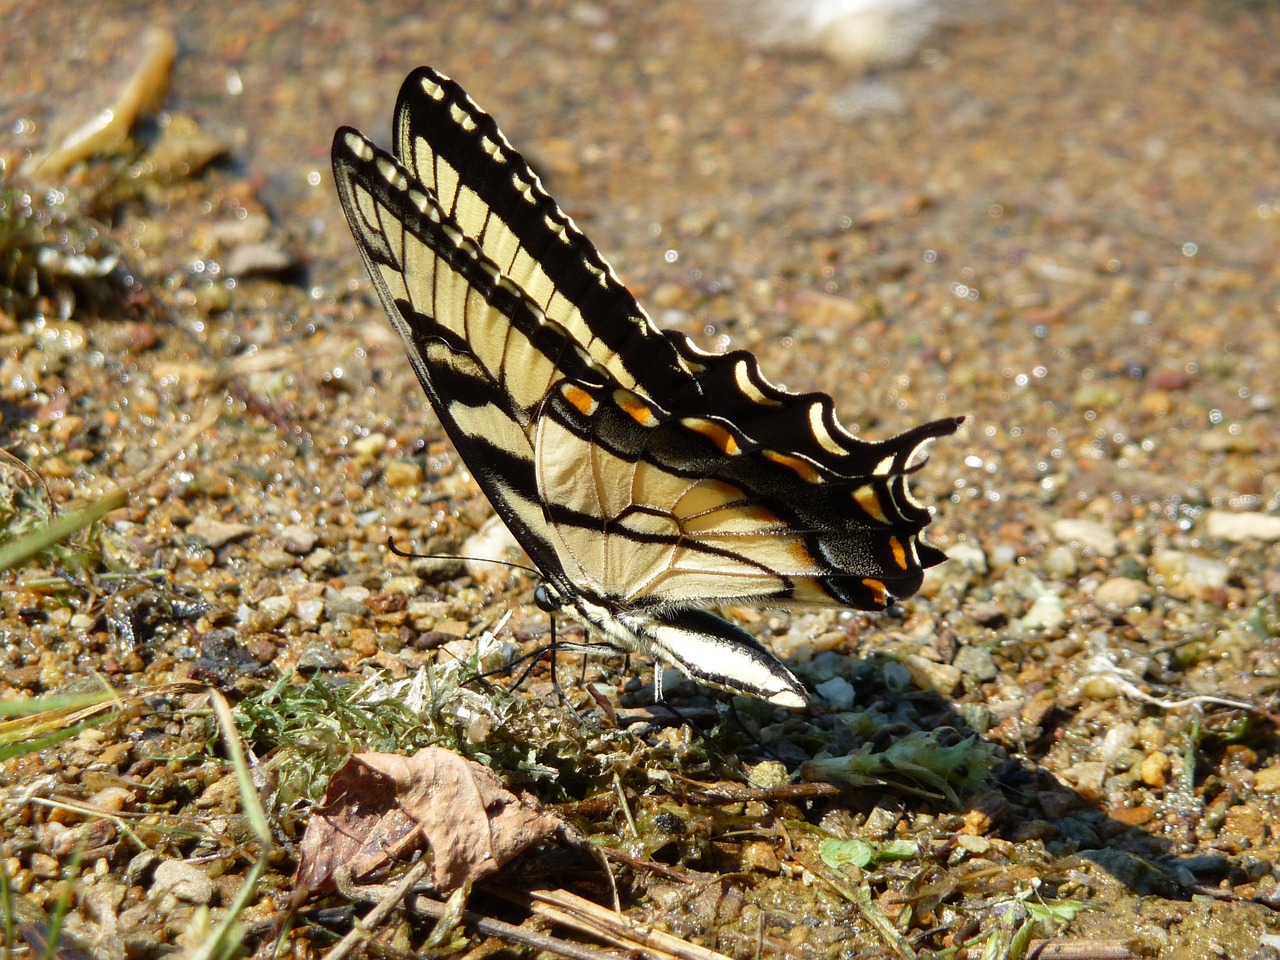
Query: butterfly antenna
[(409, 555)]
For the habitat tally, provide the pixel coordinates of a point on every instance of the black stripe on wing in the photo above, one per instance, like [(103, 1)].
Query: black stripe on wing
[(487, 187), (413, 253)]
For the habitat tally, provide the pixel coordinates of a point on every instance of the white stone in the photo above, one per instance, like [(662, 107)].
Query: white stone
[(1089, 534), (1238, 527)]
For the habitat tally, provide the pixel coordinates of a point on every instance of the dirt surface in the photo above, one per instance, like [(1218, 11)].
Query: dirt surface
[(1061, 219)]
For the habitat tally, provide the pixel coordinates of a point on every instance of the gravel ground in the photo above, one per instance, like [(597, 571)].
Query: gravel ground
[(1060, 219)]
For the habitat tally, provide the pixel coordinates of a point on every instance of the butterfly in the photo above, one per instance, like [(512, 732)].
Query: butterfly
[(646, 478)]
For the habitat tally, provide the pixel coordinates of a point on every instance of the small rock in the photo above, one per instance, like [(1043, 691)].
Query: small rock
[(140, 866), (352, 601), (273, 611), (1186, 575), (1087, 778), (400, 473), (321, 560), (217, 533), (769, 773), (309, 612), (1090, 535), (760, 855), (1267, 780), (973, 844), (987, 613), (941, 678), (976, 662), (406, 584), (970, 553), (182, 880), (1119, 595), (44, 866), (318, 657), (1047, 613), (1060, 563), (1155, 770), (251, 228), (274, 559), (258, 259), (369, 447), (838, 692), (296, 539), (112, 799), (1115, 741), (1239, 527)]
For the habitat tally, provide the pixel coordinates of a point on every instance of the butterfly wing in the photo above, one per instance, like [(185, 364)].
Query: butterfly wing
[(643, 476)]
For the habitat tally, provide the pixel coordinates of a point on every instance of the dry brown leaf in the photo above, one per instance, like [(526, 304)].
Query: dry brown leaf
[(381, 806)]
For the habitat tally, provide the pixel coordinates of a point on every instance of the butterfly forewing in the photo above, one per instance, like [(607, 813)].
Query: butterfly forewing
[(489, 190)]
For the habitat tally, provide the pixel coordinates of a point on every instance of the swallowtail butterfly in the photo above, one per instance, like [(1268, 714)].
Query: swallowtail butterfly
[(646, 478)]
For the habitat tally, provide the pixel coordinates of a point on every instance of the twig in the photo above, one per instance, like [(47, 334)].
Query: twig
[(510, 933), (1101, 666), (378, 915), (1064, 950), (108, 128), (614, 928)]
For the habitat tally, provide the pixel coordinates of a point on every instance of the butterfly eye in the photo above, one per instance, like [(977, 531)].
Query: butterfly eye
[(547, 599)]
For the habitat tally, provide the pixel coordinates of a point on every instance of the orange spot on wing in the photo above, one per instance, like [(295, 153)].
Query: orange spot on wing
[(581, 400), (867, 498), (803, 468), (634, 408), (877, 588), (899, 552), (717, 434)]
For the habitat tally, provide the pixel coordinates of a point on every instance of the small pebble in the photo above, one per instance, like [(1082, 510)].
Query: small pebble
[(976, 662), (1060, 563), (941, 678), (217, 533), (352, 601), (760, 855), (838, 692), (769, 773), (1155, 769), (1047, 613), (1185, 575), (401, 473), (369, 447), (318, 657), (1239, 527), (258, 259), (309, 612), (1119, 595), (273, 611), (183, 881), (970, 553), (1087, 777), (1267, 780), (1088, 534), (44, 866), (296, 539), (1115, 741)]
